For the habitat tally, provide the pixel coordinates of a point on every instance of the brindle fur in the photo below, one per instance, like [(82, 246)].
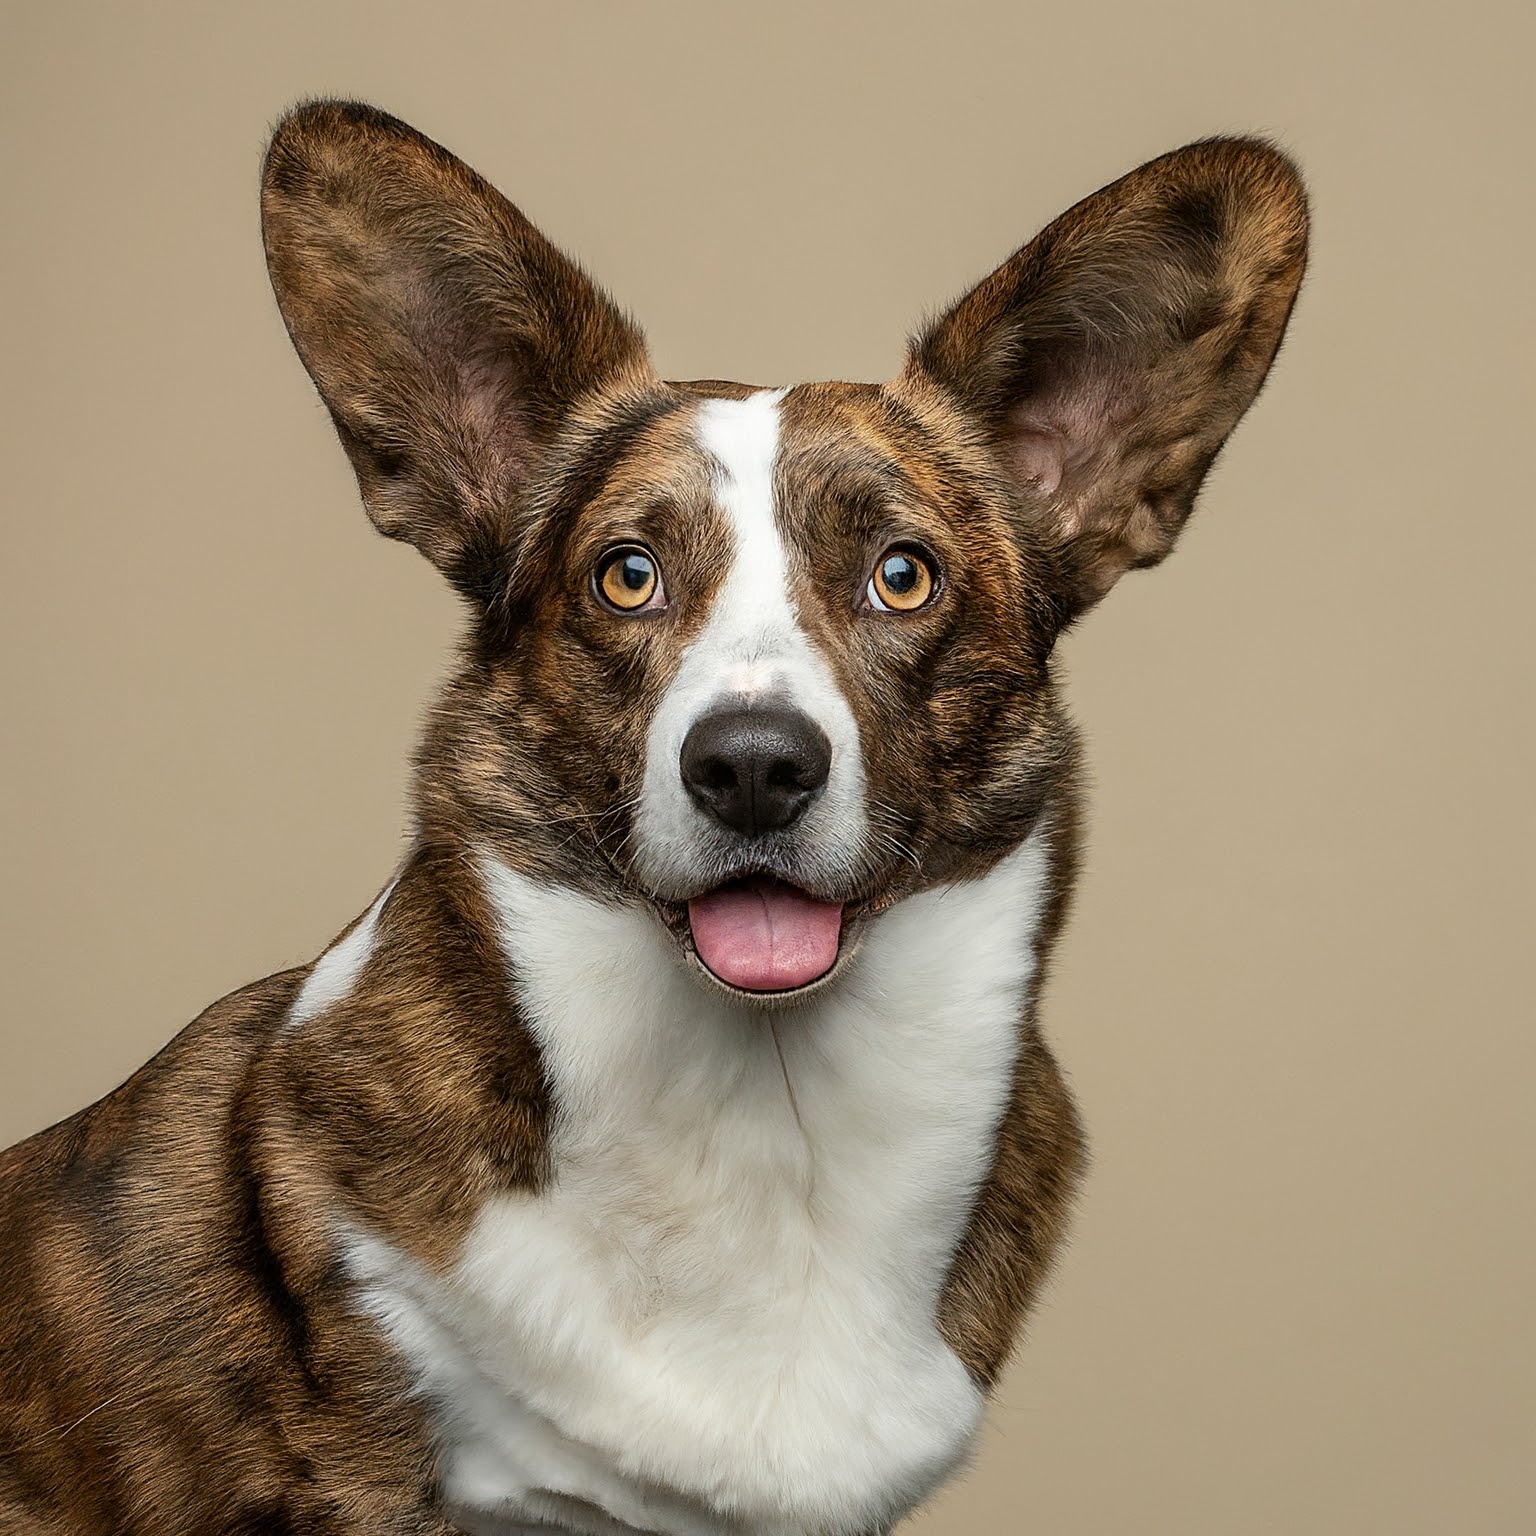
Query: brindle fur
[(178, 1350)]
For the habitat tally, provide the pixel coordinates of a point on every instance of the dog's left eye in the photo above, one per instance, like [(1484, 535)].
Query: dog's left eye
[(903, 581), (627, 578)]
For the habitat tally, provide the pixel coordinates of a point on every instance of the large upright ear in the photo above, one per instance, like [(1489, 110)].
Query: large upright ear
[(1108, 359), (446, 335)]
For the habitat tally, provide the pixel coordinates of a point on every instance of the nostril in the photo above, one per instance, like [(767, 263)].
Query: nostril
[(788, 773), (716, 773)]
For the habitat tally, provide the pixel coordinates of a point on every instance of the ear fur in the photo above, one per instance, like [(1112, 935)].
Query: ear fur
[(1108, 359), (446, 335)]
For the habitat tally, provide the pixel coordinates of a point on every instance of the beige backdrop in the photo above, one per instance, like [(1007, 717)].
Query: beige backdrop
[(1295, 998)]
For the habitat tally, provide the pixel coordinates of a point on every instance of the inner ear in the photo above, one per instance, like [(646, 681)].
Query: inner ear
[(1058, 429), (1108, 360), (448, 338)]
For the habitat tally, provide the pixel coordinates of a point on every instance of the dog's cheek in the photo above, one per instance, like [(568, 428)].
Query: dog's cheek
[(982, 703), (887, 685), (595, 691)]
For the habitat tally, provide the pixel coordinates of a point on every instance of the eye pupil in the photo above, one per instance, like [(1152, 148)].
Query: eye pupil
[(899, 574), (635, 572)]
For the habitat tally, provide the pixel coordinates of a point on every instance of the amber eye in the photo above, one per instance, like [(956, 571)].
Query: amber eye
[(628, 579), (903, 581)]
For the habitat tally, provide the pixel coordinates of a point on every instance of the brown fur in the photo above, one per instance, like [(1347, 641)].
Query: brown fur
[(179, 1350)]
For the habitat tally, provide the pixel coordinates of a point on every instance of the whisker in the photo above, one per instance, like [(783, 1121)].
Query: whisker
[(64, 1429)]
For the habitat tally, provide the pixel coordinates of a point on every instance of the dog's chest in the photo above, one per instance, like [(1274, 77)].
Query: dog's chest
[(720, 1316)]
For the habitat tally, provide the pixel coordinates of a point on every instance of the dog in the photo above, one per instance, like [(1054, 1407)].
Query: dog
[(672, 1146)]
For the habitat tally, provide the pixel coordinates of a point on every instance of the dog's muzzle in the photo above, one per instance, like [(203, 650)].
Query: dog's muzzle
[(756, 771)]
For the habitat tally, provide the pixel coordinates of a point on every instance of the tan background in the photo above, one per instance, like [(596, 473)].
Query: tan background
[(1295, 998)]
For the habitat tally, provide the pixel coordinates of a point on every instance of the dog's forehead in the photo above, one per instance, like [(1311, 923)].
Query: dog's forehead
[(827, 429), (831, 445)]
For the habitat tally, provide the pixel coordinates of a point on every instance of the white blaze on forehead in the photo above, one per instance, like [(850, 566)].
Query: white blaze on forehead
[(753, 646), (753, 618)]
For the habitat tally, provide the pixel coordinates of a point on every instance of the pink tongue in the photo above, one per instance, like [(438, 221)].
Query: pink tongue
[(764, 936)]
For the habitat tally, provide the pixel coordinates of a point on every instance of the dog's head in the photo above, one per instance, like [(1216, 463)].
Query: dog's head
[(766, 659)]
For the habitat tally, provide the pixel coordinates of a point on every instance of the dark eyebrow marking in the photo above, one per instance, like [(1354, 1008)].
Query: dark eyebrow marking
[(859, 486), (593, 462), (909, 428), (589, 463)]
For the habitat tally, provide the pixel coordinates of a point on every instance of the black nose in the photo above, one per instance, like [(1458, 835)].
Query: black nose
[(756, 769)]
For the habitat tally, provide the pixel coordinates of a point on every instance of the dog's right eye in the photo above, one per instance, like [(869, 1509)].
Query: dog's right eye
[(628, 579)]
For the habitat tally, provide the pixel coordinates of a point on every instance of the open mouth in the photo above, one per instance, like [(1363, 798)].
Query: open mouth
[(764, 935)]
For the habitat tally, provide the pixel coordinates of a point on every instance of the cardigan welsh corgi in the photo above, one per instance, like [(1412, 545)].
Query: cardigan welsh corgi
[(672, 1146)]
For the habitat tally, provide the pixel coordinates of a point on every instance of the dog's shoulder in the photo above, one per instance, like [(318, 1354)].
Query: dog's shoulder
[(202, 1063)]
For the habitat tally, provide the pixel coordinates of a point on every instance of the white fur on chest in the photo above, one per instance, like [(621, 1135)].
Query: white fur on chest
[(720, 1315)]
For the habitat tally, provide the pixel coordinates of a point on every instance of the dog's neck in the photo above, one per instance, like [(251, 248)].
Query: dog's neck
[(467, 971)]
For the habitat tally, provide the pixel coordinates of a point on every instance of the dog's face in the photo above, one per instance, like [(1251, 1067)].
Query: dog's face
[(774, 657), (767, 660)]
